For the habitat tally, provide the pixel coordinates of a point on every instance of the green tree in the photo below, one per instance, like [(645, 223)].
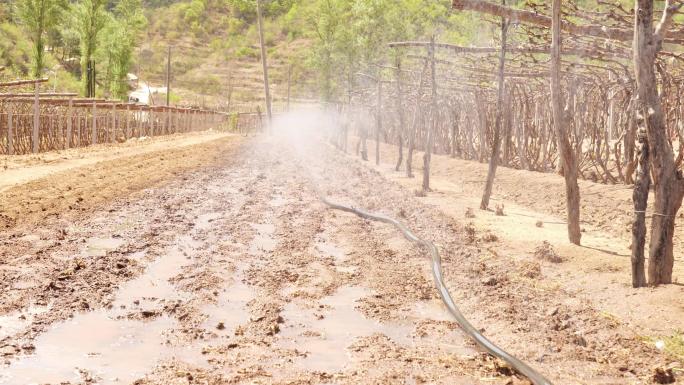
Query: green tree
[(372, 28), (90, 18), (325, 20), (121, 35), (39, 17)]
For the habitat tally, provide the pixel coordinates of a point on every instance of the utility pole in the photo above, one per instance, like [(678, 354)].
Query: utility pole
[(289, 79), (168, 77), (267, 92), (90, 79)]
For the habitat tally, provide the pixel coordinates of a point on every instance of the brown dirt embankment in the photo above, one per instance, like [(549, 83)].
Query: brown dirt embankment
[(54, 186)]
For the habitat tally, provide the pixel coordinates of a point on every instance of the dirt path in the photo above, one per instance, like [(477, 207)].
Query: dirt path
[(234, 272), (25, 168), (72, 184), (599, 271)]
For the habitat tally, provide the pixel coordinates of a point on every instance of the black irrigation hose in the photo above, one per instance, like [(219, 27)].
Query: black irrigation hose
[(521, 367)]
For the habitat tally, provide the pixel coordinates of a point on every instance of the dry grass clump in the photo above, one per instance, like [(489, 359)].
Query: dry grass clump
[(530, 269), (546, 252)]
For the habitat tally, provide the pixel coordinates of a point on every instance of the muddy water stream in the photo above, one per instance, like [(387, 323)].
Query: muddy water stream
[(327, 248), (121, 344), (154, 286), (116, 350), (230, 309), (104, 343), (264, 240), (325, 333), (16, 321), (98, 247)]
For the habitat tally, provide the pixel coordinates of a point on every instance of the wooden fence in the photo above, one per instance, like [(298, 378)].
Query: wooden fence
[(33, 122)]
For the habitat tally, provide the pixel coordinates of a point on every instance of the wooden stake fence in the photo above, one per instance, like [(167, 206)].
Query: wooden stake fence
[(37, 122)]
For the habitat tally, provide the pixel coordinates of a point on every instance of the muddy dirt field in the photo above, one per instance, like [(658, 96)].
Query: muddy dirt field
[(216, 263)]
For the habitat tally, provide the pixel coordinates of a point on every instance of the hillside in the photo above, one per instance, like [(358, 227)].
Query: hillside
[(216, 52), (215, 56)]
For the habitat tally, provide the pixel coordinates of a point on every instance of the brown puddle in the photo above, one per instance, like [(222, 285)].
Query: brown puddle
[(331, 250), (106, 344), (204, 221), (154, 284), (17, 321), (433, 310), (231, 308), (116, 351), (327, 248), (326, 340), (98, 247), (34, 240), (264, 240)]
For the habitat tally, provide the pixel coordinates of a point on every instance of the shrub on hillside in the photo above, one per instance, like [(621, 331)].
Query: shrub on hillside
[(14, 49), (246, 52)]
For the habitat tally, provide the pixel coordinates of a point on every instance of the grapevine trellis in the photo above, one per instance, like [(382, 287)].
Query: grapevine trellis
[(602, 129), (32, 122), (566, 90)]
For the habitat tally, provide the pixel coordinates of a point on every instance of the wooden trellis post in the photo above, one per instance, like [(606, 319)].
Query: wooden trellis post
[(93, 140), (112, 132), (79, 130), (415, 123), (128, 122), (165, 122), (559, 122), (378, 125), (69, 128), (431, 125), (149, 128), (496, 146), (400, 111), (36, 122), (267, 91), (10, 132)]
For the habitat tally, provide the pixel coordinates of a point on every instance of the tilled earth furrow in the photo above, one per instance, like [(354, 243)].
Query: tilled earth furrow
[(237, 273)]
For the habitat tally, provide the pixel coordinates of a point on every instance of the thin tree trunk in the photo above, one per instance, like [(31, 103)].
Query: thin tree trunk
[(400, 110), (496, 146), (454, 133), (414, 125), (629, 143), (567, 155), (378, 125), (482, 121), (522, 136), (640, 199), (431, 125), (669, 188), (364, 144), (364, 139), (349, 120)]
